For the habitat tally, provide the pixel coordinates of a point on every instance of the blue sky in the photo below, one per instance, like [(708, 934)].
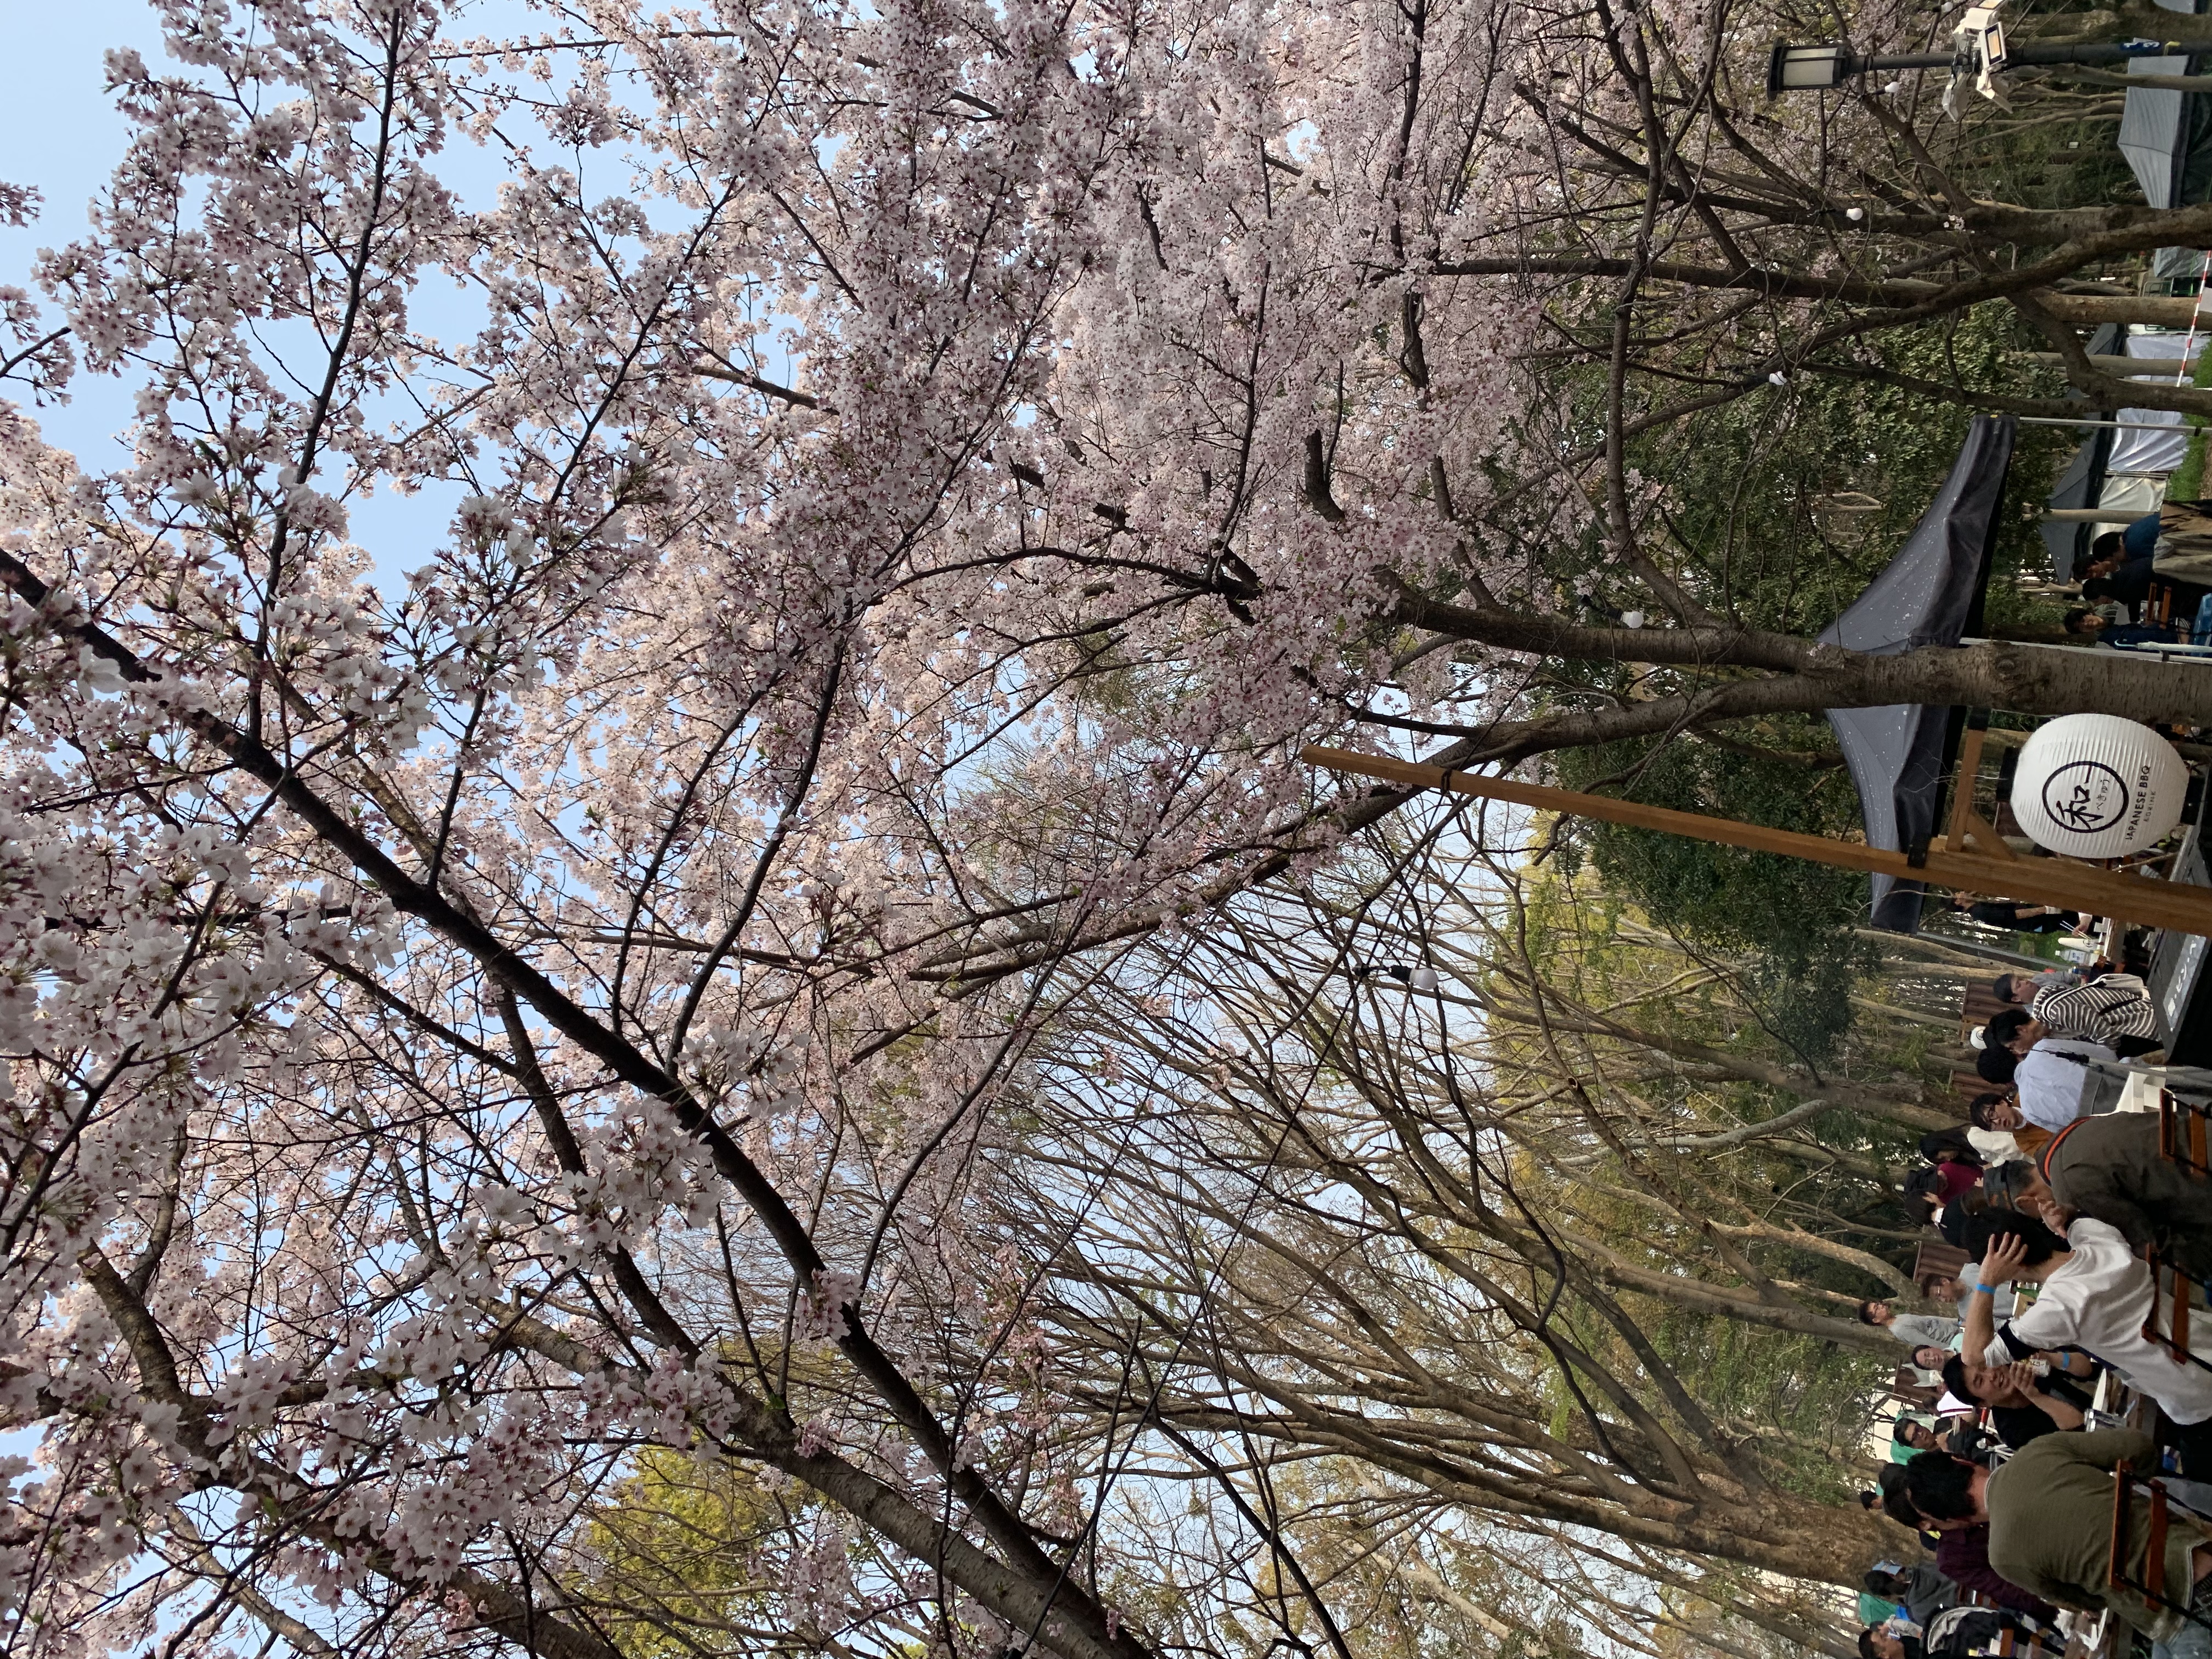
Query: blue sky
[(59, 131)]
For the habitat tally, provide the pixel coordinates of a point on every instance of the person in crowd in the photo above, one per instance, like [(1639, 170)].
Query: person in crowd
[(2113, 556), (1872, 1610), (2125, 585), (2021, 989), (1946, 1180), (2128, 566), (2108, 1168), (1951, 1223), (1918, 1591), (2020, 918), (2090, 626), (2050, 1072), (1885, 1642), (2138, 541), (1998, 1113), (1928, 1192), (2113, 1009), (1955, 1144), (1995, 1067), (1992, 1146), (1928, 1359), (1891, 1498), (1994, 1063), (2022, 1406), (1916, 1328), (2095, 1293), (1956, 1175), (1913, 1433), (1958, 1633), (1942, 1287), (1968, 1437), (1962, 1546), (2049, 1512)]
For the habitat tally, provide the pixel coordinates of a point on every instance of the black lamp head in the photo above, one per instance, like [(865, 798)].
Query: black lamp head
[(1808, 69)]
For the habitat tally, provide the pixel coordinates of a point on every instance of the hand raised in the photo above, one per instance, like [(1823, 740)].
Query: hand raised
[(2007, 1255)]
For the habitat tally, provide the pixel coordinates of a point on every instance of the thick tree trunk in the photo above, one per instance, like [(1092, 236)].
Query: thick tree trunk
[(1701, 1297), (2092, 308), (1870, 1101), (1802, 676), (1828, 1544)]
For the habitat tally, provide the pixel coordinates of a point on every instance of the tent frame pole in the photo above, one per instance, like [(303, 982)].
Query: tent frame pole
[(2179, 906)]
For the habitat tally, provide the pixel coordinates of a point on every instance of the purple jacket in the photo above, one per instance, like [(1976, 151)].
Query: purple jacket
[(1962, 1557)]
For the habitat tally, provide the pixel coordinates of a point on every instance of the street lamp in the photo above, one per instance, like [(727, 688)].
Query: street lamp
[(1808, 69), (1980, 52)]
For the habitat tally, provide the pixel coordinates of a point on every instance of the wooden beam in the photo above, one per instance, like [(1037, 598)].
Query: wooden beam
[(2179, 906), (1966, 822), (1962, 787), (1984, 834)]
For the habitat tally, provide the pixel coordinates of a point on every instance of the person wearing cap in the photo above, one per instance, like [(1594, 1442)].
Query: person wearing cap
[(2108, 1168)]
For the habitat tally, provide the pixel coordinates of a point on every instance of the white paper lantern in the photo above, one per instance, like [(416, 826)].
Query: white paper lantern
[(2095, 786)]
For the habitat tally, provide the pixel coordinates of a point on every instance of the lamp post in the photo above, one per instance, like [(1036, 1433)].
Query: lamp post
[(1816, 68)]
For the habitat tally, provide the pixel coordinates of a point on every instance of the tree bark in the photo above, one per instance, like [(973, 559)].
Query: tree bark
[(1702, 1297), (2093, 308), (1807, 677)]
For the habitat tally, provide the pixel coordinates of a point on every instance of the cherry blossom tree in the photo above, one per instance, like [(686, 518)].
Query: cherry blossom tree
[(907, 479)]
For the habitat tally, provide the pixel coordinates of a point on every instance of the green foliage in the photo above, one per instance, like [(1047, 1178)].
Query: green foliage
[(679, 1549), (1779, 510), (1810, 1392), (1791, 503), (2187, 484), (1793, 919)]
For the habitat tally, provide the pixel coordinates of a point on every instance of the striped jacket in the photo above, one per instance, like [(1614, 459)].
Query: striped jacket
[(2116, 1005)]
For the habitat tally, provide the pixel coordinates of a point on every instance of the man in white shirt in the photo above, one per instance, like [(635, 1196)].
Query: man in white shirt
[(2095, 1293)]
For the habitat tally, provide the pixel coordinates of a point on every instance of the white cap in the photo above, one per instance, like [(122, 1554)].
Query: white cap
[(1977, 1038)]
